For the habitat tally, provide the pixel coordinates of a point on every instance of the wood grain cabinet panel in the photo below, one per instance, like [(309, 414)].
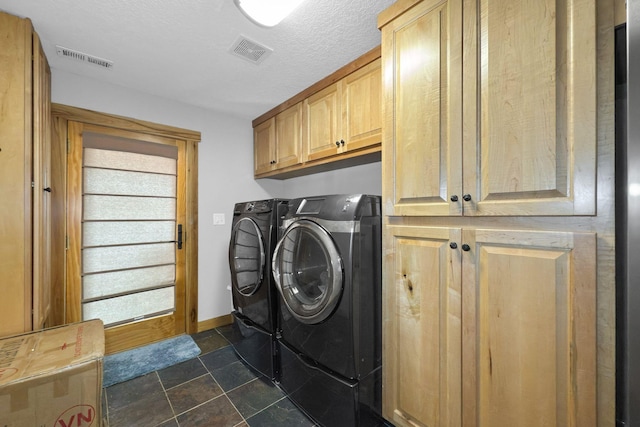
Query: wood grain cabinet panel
[(490, 107), (491, 328), (289, 137), (42, 188), (362, 107), (334, 123), (264, 146), (25, 212), (422, 163), (529, 341), (277, 142), (322, 123), (489, 186), (344, 116), (422, 327)]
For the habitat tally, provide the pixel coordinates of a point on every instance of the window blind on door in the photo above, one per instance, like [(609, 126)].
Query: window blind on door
[(128, 229)]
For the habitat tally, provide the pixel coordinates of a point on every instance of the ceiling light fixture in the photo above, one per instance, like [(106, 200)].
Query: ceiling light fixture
[(267, 13)]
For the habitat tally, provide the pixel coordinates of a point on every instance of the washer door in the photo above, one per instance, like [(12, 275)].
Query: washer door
[(246, 256), (308, 271)]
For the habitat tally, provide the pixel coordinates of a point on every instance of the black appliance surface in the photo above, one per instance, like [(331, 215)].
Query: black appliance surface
[(329, 399), (327, 268), (253, 239)]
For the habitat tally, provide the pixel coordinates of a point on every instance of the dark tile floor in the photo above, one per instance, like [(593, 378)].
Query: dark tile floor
[(214, 389)]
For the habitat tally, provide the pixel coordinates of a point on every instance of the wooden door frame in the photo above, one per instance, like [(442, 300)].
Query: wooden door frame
[(62, 114)]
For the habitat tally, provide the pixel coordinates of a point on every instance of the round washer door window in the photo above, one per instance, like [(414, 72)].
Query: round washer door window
[(246, 256), (307, 268)]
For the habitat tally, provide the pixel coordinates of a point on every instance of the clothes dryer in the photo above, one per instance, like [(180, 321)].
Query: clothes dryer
[(253, 239), (327, 269)]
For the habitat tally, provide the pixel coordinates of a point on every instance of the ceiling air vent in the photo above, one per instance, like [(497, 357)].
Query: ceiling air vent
[(250, 50), (83, 57)]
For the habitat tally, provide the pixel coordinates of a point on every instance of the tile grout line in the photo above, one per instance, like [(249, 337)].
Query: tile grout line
[(173, 411), (175, 416), (188, 381), (224, 392), (285, 396)]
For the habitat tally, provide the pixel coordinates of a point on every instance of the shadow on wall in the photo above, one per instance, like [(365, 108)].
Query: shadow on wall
[(366, 179)]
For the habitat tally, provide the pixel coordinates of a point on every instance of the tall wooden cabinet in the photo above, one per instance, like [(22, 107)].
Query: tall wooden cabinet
[(25, 170), (498, 231), (523, 142)]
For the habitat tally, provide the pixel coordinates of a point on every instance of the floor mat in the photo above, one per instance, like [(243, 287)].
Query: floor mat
[(130, 364)]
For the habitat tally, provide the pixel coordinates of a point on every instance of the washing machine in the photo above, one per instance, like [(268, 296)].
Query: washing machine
[(327, 269), (253, 239)]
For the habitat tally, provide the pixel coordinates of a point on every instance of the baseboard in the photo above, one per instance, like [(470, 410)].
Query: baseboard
[(205, 325)]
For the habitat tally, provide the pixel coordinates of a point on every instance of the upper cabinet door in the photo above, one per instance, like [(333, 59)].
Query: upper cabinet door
[(322, 129), (361, 107), (344, 116), (288, 145), (529, 107), (264, 142), (491, 111), (422, 96)]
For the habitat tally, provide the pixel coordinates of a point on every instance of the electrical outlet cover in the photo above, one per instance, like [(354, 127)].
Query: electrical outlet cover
[(218, 219)]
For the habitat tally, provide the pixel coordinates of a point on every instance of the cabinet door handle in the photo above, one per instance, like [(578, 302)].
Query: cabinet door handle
[(466, 247), (48, 189), (454, 198), (466, 197), (337, 143), (342, 142), (453, 245)]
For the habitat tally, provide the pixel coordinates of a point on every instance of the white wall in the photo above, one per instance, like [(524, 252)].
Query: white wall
[(225, 171), (358, 179)]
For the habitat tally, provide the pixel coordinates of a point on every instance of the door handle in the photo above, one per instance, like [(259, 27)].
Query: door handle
[(179, 236)]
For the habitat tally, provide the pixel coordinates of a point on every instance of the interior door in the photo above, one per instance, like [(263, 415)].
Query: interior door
[(126, 210)]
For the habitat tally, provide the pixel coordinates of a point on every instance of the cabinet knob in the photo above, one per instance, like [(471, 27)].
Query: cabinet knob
[(466, 247), (454, 198), (337, 143), (453, 245), (466, 197), (342, 142), (48, 189)]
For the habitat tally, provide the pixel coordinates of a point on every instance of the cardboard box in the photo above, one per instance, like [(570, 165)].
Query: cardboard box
[(52, 378)]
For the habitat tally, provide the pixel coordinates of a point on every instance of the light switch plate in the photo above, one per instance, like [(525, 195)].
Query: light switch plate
[(218, 219)]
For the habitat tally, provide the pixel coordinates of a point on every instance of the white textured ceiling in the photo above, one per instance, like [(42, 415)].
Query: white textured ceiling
[(179, 49)]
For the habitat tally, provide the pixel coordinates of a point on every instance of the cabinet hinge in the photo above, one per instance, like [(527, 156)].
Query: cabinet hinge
[(66, 243), (33, 184), (68, 146)]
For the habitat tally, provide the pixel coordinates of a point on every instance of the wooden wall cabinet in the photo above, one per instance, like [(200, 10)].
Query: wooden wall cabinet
[(25, 173), (344, 116), (339, 123), (496, 259), (278, 141), (491, 111), (489, 327)]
